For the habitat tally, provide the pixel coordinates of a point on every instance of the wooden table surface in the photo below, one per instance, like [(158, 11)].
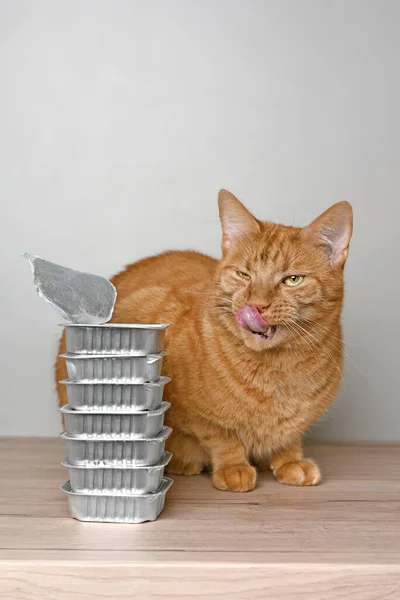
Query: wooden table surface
[(340, 539)]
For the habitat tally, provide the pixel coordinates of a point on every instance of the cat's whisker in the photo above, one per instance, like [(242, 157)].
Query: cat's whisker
[(212, 297), (225, 299), (320, 344), (327, 329), (317, 341), (332, 337), (222, 309), (339, 343), (290, 326)]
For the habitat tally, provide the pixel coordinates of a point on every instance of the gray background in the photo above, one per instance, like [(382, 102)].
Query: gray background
[(119, 122)]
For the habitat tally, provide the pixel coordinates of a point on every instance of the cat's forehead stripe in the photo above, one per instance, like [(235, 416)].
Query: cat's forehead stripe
[(276, 248)]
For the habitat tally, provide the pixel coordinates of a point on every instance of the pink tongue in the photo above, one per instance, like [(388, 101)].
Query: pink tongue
[(250, 318)]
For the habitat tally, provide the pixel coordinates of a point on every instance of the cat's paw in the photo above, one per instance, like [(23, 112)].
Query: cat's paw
[(176, 467), (302, 472), (240, 478)]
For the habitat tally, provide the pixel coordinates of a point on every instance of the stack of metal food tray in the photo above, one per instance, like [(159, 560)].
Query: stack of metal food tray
[(114, 422)]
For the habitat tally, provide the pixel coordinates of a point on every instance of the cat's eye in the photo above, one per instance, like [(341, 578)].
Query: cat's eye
[(293, 280), (242, 274)]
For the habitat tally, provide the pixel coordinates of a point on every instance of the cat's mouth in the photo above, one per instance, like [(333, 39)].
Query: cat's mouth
[(267, 335), (250, 318)]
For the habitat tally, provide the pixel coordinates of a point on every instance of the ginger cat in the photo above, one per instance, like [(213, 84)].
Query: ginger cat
[(254, 350)]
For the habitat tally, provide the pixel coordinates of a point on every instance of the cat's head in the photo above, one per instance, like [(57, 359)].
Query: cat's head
[(274, 281)]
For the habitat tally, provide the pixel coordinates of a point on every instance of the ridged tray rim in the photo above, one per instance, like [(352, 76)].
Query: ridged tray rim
[(163, 462), (163, 435), (154, 357), (153, 326), (165, 485), (66, 410), (163, 380)]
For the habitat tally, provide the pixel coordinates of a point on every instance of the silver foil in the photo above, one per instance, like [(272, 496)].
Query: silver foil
[(140, 425), (115, 338), (110, 480), (120, 451), (122, 396), (120, 508), (79, 297), (89, 367)]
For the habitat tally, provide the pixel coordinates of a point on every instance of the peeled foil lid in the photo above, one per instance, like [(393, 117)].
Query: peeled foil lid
[(80, 297)]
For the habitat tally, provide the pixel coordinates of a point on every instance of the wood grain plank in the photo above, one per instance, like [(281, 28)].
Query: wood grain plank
[(108, 556), (244, 529), (339, 539), (233, 581)]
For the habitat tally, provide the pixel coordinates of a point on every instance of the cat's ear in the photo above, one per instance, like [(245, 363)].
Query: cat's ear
[(332, 232), (236, 220)]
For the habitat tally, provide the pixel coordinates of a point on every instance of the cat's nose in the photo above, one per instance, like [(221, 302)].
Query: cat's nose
[(260, 307)]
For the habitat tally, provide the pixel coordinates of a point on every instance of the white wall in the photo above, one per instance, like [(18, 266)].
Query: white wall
[(120, 120)]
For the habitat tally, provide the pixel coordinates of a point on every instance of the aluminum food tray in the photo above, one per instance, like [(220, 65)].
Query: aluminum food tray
[(118, 508), (115, 338), (119, 451), (124, 396), (92, 367), (143, 424), (109, 480)]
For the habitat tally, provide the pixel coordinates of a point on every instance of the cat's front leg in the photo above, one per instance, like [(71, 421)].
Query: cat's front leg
[(231, 471), (291, 468)]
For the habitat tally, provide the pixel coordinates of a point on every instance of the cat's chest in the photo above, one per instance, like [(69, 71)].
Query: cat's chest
[(277, 406), (276, 403), (274, 388)]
